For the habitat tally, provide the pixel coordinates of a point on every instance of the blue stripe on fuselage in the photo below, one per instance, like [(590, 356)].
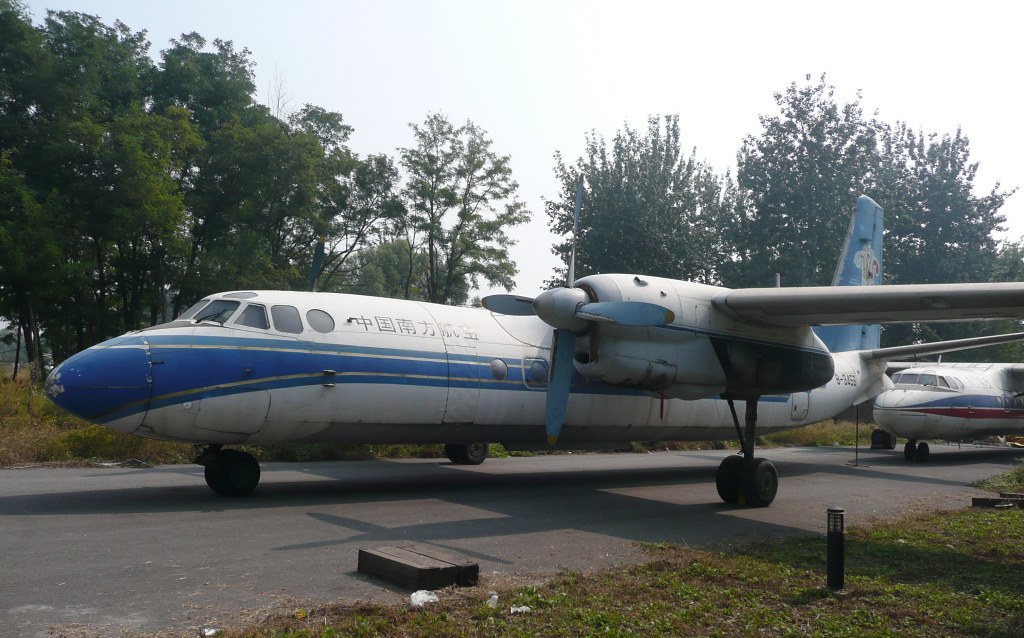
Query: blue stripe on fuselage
[(184, 370)]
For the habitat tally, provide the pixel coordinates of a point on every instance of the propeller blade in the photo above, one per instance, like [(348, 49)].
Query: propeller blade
[(626, 313), (558, 387), (509, 305)]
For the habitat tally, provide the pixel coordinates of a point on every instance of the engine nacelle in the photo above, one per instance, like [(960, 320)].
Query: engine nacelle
[(666, 359), (702, 353)]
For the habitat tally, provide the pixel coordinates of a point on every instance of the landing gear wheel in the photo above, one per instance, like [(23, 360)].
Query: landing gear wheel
[(727, 480), (923, 452), (910, 450), (232, 473), (882, 440), (759, 483), (466, 453), (747, 480)]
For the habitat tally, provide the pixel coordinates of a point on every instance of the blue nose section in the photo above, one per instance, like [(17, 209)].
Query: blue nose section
[(109, 383)]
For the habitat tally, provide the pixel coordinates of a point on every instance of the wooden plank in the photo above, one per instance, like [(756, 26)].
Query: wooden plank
[(999, 503), (418, 567), (468, 571)]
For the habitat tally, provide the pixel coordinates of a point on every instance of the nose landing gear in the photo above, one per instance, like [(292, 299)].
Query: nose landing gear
[(229, 472)]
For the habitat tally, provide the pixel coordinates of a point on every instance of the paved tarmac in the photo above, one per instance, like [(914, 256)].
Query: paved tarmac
[(109, 551)]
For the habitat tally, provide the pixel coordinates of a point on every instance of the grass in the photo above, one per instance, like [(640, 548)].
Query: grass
[(33, 431), (826, 433), (948, 574)]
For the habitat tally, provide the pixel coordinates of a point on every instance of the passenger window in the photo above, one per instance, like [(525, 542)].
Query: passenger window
[(499, 369), (286, 319), (535, 373), (219, 311), (320, 321), (254, 316)]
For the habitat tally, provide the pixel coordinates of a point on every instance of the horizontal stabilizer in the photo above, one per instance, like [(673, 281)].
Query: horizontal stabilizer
[(938, 347)]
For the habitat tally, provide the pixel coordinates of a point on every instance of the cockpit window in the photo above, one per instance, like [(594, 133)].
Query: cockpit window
[(254, 316), (286, 319), (193, 309), (927, 380), (219, 311)]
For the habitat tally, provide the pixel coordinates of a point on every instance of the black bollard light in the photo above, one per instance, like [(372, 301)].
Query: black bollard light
[(836, 547)]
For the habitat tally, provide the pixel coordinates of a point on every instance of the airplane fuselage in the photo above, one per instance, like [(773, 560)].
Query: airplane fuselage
[(292, 367), (952, 401)]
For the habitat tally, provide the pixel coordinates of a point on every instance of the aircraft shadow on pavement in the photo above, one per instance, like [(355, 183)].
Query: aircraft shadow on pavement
[(637, 504), (582, 501)]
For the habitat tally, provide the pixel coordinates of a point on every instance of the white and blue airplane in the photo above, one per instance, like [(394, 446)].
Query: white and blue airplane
[(610, 358), (950, 401)]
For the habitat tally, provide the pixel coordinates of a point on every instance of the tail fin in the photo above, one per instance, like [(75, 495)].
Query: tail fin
[(860, 264)]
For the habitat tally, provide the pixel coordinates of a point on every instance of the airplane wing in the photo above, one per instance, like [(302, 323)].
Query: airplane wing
[(835, 305), (937, 347)]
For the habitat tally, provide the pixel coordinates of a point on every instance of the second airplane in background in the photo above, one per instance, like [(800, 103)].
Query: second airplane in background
[(951, 401)]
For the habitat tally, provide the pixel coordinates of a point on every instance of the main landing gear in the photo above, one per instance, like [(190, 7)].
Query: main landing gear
[(914, 451), (744, 479), (466, 453), (229, 472)]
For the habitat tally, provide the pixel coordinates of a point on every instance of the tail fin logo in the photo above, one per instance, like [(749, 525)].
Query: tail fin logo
[(869, 265)]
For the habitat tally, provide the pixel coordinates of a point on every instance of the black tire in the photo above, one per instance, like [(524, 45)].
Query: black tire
[(882, 440), (910, 450), (760, 483), (456, 452), (466, 453), (727, 479), (232, 473), (476, 453), (216, 477), (923, 452)]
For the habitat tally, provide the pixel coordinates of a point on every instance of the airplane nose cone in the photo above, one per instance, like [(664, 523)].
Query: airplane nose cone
[(109, 383)]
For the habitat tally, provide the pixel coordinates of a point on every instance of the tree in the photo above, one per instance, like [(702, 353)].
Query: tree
[(648, 208), (939, 231), (356, 199), (801, 178), (29, 258), (461, 201)]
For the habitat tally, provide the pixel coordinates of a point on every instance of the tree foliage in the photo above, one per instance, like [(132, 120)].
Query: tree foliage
[(649, 207), (461, 199), (132, 187)]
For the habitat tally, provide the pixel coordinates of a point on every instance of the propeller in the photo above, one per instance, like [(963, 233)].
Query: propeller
[(570, 311), (509, 305)]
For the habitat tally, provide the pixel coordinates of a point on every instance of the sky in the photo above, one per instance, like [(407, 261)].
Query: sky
[(540, 75)]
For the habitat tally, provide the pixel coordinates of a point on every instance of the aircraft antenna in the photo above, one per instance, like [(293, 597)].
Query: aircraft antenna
[(571, 277)]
